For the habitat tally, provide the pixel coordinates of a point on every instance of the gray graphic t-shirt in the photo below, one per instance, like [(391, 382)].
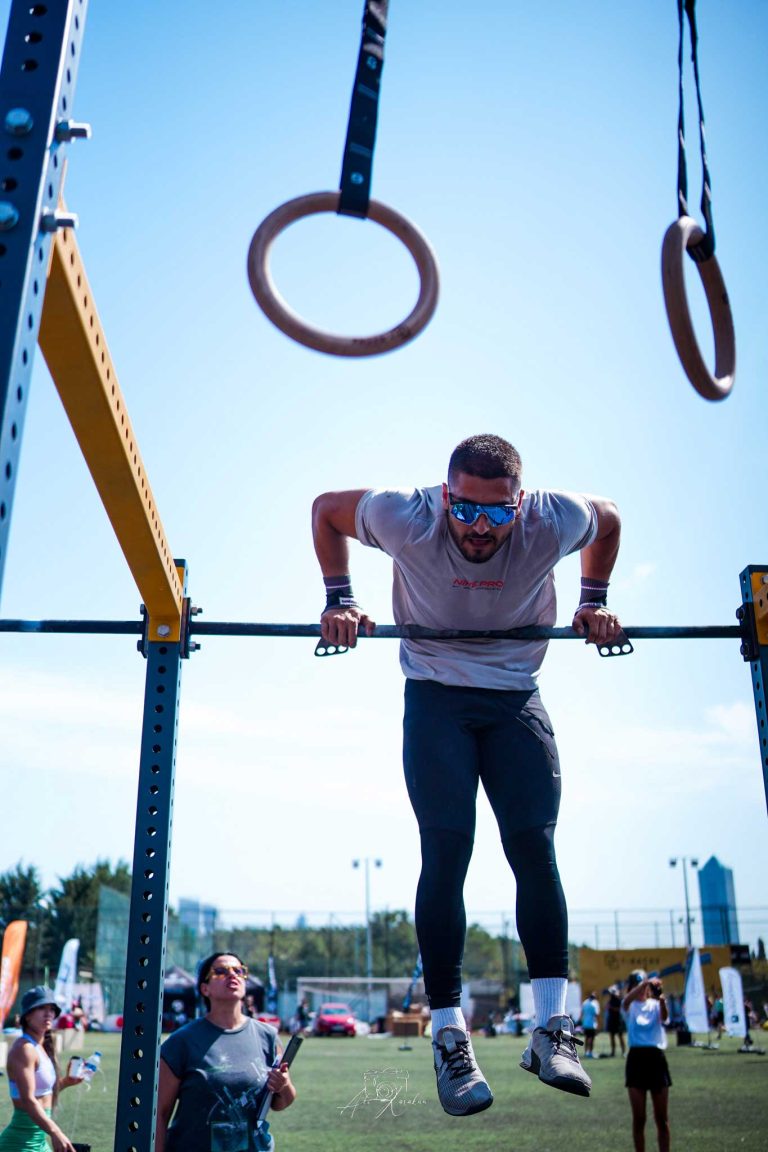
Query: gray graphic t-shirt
[(222, 1076), (436, 587)]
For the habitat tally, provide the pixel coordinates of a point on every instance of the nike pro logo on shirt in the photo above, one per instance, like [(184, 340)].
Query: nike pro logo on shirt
[(479, 585)]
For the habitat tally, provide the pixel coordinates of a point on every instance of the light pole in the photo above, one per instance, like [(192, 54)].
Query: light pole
[(694, 863), (368, 928)]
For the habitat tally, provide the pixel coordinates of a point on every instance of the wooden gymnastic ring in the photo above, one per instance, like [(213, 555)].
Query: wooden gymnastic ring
[(683, 234), (275, 308)]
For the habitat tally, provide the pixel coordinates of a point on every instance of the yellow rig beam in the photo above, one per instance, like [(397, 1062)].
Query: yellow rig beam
[(760, 601), (75, 349)]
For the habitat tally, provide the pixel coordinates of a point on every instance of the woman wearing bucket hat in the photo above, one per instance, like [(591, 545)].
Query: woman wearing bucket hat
[(33, 1079)]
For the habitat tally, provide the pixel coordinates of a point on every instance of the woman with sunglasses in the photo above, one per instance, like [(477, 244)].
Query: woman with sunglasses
[(477, 553), (33, 1078), (215, 1071)]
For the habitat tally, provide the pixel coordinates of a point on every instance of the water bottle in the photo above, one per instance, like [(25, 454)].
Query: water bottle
[(91, 1067)]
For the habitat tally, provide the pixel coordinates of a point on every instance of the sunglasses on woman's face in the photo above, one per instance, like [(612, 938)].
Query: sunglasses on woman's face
[(227, 969)]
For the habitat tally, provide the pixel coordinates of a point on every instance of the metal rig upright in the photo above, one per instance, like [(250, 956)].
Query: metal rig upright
[(37, 84), (45, 298)]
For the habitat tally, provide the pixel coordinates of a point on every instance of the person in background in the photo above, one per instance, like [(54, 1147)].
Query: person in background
[(78, 1015), (646, 1068), (215, 1071), (590, 1010), (614, 1024), (489, 1028), (302, 1016), (33, 1078)]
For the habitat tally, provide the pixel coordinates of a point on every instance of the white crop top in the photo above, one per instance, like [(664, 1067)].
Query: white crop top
[(45, 1072)]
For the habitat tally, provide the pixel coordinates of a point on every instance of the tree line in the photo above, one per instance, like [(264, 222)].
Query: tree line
[(336, 950), (55, 915), (71, 909)]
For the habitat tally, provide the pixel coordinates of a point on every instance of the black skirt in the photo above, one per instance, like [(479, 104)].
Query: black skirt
[(647, 1069)]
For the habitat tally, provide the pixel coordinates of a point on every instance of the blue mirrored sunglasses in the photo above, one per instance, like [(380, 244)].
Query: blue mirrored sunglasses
[(467, 512)]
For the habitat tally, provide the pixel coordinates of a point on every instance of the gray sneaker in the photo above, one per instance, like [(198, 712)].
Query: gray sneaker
[(461, 1086), (551, 1055)]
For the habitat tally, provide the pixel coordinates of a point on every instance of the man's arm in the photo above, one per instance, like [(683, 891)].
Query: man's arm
[(597, 561), (333, 525), (599, 557)]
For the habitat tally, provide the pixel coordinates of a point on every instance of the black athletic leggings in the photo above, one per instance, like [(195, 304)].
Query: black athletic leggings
[(455, 737)]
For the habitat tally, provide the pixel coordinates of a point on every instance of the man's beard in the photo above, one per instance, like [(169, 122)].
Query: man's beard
[(475, 557)]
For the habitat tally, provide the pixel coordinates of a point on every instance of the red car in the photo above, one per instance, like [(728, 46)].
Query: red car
[(334, 1019), (268, 1018)]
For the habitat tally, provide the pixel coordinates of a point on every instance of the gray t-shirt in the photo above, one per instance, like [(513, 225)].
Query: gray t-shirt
[(222, 1074), (436, 587)]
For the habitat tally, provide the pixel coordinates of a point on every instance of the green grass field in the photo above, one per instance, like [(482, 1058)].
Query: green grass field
[(374, 1095)]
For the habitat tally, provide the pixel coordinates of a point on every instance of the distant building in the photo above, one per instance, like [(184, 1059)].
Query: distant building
[(718, 903), (198, 918)]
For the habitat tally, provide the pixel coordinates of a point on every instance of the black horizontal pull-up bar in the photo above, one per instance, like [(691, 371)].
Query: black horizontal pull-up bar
[(383, 631), (415, 632), (97, 627)]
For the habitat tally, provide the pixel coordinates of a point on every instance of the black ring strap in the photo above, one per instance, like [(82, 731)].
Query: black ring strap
[(357, 165), (706, 246)]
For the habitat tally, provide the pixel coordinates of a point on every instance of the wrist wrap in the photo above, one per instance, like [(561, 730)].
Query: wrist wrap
[(338, 592), (594, 593)]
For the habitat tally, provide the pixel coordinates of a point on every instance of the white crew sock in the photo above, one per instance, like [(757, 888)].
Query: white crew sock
[(442, 1017), (548, 998)]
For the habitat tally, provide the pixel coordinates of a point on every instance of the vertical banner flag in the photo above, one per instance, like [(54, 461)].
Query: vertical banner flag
[(695, 1003), (64, 991), (14, 939), (733, 1002), (416, 975), (272, 988)]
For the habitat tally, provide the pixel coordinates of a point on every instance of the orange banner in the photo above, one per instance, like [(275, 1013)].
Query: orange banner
[(14, 939)]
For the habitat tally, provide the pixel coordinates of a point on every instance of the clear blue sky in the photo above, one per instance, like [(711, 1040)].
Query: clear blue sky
[(535, 145)]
